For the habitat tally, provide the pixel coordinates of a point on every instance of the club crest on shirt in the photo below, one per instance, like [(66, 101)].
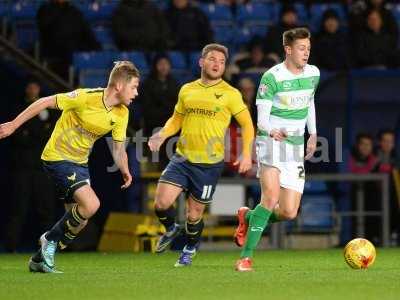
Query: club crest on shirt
[(262, 89), (72, 94)]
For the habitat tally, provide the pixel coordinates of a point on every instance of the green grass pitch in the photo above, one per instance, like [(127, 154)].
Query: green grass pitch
[(278, 275)]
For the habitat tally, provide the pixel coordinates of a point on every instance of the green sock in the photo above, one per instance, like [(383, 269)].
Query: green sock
[(258, 221), (272, 219)]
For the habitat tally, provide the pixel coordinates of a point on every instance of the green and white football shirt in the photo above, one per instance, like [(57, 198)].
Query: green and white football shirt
[(290, 95)]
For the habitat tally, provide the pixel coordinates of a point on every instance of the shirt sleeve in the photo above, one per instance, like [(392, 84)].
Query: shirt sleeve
[(72, 100), (236, 104), (267, 88), (119, 131), (180, 107)]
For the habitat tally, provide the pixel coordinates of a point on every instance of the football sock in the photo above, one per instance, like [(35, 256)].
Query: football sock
[(71, 228), (63, 231), (272, 219), (193, 233), (166, 217), (258, 221)]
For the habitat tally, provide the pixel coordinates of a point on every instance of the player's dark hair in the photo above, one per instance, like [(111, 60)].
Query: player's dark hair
[(123, 70), (215, 47), (290, 36)]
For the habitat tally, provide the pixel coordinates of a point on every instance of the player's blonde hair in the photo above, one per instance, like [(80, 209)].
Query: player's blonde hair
[(123, 71), (294, 34), (214, 47)]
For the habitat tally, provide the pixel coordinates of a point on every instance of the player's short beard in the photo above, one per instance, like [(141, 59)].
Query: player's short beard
[(208, 76)]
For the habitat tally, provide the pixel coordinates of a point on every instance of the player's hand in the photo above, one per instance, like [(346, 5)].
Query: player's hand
[(311, 146), (127, 177), (278, 134), (155, 142), (7, 129), (244, 164)]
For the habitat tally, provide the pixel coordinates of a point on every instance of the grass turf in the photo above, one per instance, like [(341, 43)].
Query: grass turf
[(278, 275)]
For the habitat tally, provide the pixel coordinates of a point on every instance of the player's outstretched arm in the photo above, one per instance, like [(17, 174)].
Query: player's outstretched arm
[(312, 130), (245, 122), (121, 160), (31, 111), (171, 127)]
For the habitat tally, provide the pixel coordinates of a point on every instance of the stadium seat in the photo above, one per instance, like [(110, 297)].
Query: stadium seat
[(178, 60), (92, 78), (104, 37), (218, 13), (93, 60), (315, 187), (138, 58), (194, 62), (24, 10), (317, 213), (395, 9), (99, 11), (257, 13), (224, 34), (23, 19), (4, 9)]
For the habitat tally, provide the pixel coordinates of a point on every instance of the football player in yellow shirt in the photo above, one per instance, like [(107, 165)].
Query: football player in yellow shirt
[(87, 115), (203, 113)]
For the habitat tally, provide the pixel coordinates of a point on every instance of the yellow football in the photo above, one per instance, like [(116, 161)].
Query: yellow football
[(359, 253)]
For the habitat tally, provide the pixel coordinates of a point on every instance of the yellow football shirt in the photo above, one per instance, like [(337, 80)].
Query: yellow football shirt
[(84, 119), (207, 114)]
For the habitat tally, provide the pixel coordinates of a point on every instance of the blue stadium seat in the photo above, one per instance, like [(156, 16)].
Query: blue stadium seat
[(194, 62), (256, 13), (104, 37), (224, 34), (217, 12), (315, 187), (316, 213), (26, 36), (4, 8), (178, 60), (93, 60), (161, 4), (99, 11), (93, 78), (138, 58), (317, 10), (24, 10), (395, 9)]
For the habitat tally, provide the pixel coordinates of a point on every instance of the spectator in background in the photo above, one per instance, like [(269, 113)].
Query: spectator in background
[(273, 40), (139, 25), (386, 156), (158, 98), (359, 11), (62, 31), (247, 88), (375, 48), (190, 26), (330, 50), (363, 161), (32, 188), (257, 61)]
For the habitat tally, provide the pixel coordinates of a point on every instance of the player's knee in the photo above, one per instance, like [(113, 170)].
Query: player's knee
[(161, 204), (288, 214), (194, 214), (89, 209)]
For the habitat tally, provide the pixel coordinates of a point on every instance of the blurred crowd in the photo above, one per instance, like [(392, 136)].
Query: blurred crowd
[(366, 37)]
